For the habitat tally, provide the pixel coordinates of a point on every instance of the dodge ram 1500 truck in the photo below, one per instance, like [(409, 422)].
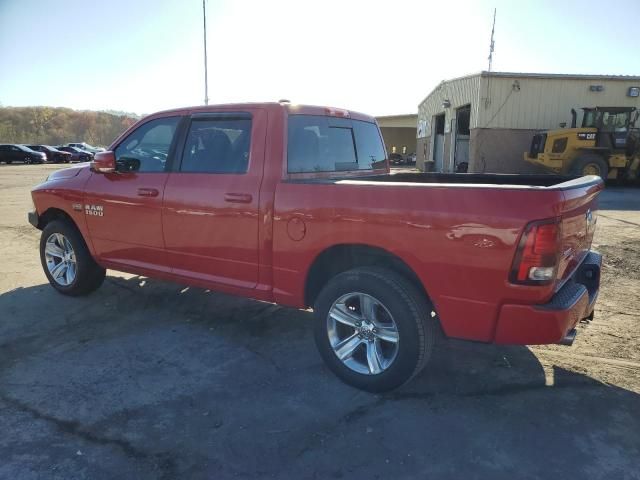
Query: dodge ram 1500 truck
[(296, 205)]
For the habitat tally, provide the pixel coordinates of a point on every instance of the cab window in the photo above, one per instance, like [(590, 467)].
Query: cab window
[(217, 145), (327, 144), (146, 149)]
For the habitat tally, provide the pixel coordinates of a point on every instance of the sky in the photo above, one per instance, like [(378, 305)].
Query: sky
[(378, 57)]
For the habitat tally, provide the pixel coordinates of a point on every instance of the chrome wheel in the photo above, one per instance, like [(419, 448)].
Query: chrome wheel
[(61, 259), (362, 333)]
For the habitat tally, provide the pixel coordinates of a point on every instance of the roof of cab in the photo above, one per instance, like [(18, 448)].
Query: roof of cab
[(290, 108)]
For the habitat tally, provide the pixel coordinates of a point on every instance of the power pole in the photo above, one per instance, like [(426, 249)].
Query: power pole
[(492, 44), (206, 80)]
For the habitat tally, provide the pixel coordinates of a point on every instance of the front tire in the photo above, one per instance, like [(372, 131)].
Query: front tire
[(66, 260), (590, 165), (374, 329)]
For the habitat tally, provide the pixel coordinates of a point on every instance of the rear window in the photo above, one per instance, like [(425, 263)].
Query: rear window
[(328, 144)]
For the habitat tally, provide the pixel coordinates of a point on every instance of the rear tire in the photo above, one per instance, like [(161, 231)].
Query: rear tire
[(61, 242), (399, 353), (590, 164)]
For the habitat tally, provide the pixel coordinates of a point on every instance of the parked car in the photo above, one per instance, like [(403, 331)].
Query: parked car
[(396, 159), (77, 155), (53, 154), (296, 205), (20, 153), (86, 147)]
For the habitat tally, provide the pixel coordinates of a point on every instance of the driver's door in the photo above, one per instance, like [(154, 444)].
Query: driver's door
[(124, 209)]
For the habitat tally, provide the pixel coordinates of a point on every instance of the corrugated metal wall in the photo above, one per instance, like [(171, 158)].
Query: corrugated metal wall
[(543, 103), (539, 103), (459, 92)]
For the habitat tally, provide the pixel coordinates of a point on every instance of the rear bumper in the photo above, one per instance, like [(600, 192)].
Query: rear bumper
[(550, 323)]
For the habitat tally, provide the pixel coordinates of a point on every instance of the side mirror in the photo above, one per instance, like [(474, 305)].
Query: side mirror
[(104, 162)]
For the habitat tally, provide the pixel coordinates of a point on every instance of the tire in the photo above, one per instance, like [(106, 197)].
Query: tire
[(590, 164), (8, 162), (397, 299), (87, 274)]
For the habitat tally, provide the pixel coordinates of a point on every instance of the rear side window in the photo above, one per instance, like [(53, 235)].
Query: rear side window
[(328, 144), (217, 146)]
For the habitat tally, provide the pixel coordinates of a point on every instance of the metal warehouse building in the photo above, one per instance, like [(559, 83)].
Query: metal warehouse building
[(399, 133), (488, 119)]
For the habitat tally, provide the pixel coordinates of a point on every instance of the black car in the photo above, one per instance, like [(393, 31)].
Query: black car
[(396, 159), (53, 154), (20, 153), (77, 155)]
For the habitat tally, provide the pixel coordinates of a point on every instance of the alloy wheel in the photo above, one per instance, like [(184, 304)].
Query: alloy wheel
[(362, 333), (61, 259)]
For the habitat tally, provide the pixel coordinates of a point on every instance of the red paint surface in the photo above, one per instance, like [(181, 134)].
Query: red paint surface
[(257, 234)]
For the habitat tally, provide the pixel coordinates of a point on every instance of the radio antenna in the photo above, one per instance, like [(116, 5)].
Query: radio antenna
[(492, 44), (206, 80)]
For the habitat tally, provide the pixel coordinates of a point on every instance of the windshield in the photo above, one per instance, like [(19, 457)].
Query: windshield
[(606, 121)]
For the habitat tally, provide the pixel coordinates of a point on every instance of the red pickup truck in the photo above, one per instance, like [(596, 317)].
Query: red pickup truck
[(296, 205)]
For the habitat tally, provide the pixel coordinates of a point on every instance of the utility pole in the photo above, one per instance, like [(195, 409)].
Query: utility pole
[(206, 80), (492, 44)]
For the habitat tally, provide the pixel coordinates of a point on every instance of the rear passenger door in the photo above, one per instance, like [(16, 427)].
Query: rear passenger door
[(211, 199)]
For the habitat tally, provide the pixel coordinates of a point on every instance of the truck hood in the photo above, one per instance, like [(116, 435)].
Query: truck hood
[(68, 172)]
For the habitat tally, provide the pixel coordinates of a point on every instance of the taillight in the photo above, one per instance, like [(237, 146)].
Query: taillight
[(336, 112), (538, 253)]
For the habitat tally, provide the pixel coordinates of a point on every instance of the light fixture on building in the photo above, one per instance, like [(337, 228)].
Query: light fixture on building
[(446, 103)]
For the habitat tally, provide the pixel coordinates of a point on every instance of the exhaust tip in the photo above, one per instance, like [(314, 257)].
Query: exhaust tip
[(569, 338)]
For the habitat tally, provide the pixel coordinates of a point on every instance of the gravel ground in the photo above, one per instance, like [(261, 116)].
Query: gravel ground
[(147, 379)]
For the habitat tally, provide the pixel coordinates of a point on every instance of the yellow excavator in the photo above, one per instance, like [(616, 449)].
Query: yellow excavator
[(607, 144)]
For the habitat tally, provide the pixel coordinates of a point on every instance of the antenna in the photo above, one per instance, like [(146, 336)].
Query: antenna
[(492, 44), (206, 81)]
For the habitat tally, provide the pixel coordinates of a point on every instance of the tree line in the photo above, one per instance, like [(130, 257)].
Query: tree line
[(55, 126)]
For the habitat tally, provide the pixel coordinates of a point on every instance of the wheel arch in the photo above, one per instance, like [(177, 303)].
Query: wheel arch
[(342, 257), (54, 213)]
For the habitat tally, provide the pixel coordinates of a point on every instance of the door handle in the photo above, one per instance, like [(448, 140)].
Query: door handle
[(238, 197), (148, 192)]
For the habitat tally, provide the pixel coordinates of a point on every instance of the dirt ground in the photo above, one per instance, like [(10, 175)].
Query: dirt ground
[(147, 379)]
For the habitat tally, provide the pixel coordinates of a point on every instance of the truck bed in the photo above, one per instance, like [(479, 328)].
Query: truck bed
[(493, 180)]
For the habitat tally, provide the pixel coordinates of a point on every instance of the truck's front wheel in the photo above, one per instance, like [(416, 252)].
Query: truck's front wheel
[(374, 329), (66, 260)]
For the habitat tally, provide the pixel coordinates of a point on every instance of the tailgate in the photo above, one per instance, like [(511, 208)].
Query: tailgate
[(579, 215)]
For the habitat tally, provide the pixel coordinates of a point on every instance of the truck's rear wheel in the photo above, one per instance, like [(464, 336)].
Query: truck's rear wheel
[(590, 165), (374, 329), (66, 260)]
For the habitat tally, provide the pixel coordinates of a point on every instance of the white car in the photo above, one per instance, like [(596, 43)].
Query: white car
[(86, 147)]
